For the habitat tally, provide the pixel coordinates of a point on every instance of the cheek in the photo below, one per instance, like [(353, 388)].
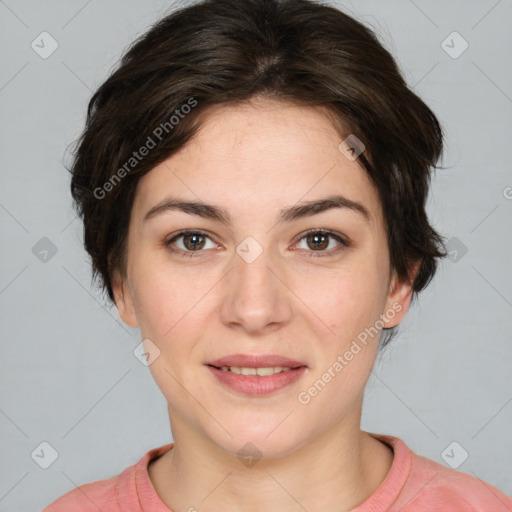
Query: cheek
[(347, 299), (164, 298), (167, 307)]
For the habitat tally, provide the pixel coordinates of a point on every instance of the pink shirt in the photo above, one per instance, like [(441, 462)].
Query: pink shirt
[(414, 484)]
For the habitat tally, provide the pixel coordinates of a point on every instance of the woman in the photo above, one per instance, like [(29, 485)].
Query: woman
[(252, 181)]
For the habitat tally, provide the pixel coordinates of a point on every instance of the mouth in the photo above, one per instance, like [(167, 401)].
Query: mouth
[(263, 371), (256, 375), (250, 362)]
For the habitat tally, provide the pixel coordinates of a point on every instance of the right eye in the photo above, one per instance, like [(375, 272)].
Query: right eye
[(193, 242)]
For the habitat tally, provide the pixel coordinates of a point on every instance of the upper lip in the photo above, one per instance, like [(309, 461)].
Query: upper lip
[(254, 361)]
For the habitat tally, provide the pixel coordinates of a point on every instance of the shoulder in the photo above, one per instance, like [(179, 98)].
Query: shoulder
[(119, 493), (418, 484), (90, 497), (432, 483)]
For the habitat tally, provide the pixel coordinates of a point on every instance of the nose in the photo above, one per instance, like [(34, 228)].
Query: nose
[(256, 297)]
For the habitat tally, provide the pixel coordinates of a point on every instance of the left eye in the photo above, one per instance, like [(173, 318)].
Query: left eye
[(319, 239), (195, 241)]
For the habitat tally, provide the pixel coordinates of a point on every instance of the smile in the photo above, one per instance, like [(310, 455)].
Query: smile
[(262, 372), (256, 381)]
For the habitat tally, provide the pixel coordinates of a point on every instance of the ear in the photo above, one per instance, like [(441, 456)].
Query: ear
[(399, 298), (124, 299)]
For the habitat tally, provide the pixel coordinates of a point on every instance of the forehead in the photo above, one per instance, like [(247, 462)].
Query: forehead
[(260, 156)]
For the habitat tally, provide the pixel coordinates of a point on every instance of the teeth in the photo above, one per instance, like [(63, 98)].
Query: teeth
[(262, 372)]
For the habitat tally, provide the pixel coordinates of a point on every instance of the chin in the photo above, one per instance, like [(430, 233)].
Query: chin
[(260, 440)]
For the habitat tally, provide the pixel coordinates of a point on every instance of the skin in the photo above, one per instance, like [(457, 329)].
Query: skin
[(253, 160)]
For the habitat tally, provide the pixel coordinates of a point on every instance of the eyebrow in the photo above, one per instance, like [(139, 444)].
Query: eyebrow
[(289, 214)]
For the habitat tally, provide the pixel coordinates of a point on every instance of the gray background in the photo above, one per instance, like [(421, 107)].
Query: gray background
[(68, 374)]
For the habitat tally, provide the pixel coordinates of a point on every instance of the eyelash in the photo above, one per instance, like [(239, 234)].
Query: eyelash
[(313, 254)]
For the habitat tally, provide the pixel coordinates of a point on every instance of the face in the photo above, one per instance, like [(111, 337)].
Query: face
[(307, 287)]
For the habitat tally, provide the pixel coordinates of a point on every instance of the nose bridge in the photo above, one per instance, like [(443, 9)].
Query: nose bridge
[(255, 297), (252, 268)]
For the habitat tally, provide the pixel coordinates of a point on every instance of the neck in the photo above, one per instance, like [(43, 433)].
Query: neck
[(336, 471)]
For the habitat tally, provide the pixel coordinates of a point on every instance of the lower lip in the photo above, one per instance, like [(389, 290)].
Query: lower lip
[(255, 385)]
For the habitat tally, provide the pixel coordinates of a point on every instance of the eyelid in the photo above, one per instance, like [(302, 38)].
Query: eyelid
[(344, 243), (341, 239), (175, 236)]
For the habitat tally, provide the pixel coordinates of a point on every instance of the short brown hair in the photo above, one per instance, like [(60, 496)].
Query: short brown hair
[(226, 51)]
